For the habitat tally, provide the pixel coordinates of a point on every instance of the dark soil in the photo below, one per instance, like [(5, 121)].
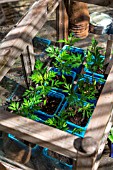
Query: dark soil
[(68, 80), (78, 119), (61, 158), (98, 87), (51, 105)]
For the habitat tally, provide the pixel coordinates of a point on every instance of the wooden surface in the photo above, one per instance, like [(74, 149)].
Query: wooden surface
[(102, 111), (20, 36), (109, 56), (106, 3), (12, 165), (62, 21), (7, 1), (99, 125), (17, 39), (34, 132), (28, 62), (108, 52)]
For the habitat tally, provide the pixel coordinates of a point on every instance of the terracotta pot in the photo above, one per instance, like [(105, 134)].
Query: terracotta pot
[(79, 19)]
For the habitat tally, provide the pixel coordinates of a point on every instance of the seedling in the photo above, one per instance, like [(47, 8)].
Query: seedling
[(72, 97), (27, 107), (36, 95), (76, 130), (70, 40), (94, 59), (86, 109), (87, 88), (14, 106), (44, 79), (58, 122), (65, 60)]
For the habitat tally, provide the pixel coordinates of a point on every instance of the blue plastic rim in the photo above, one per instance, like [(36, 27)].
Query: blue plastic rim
[(63, 164), (41, 40), (12, 137), (43, 115), (78, 69), (74, 49), (111, 153), (82, 129), (98, 79), (90, 73)]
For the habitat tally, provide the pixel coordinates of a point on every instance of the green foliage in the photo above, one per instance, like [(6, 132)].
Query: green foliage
[(94, 61), (26, 107), (72, 97), (86, 109), (24, 110), (70, 41), (64, 59), (53, 51), (69, 111), (58, 122), (87, 88), (34, 117), (43, 80), (94, 48), (76, 130), (29, 92), (40, 75), (61, 60), (79, 106), (110, 137), (14, 106)]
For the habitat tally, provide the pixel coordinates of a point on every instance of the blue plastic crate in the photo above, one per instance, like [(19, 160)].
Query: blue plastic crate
[(90, 79), (71, 125), (41, 40), (43, 115), (42, 43), (12, 137), (87, 71), (75, 50), (82, 129), (73, 75), (61, 163)]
